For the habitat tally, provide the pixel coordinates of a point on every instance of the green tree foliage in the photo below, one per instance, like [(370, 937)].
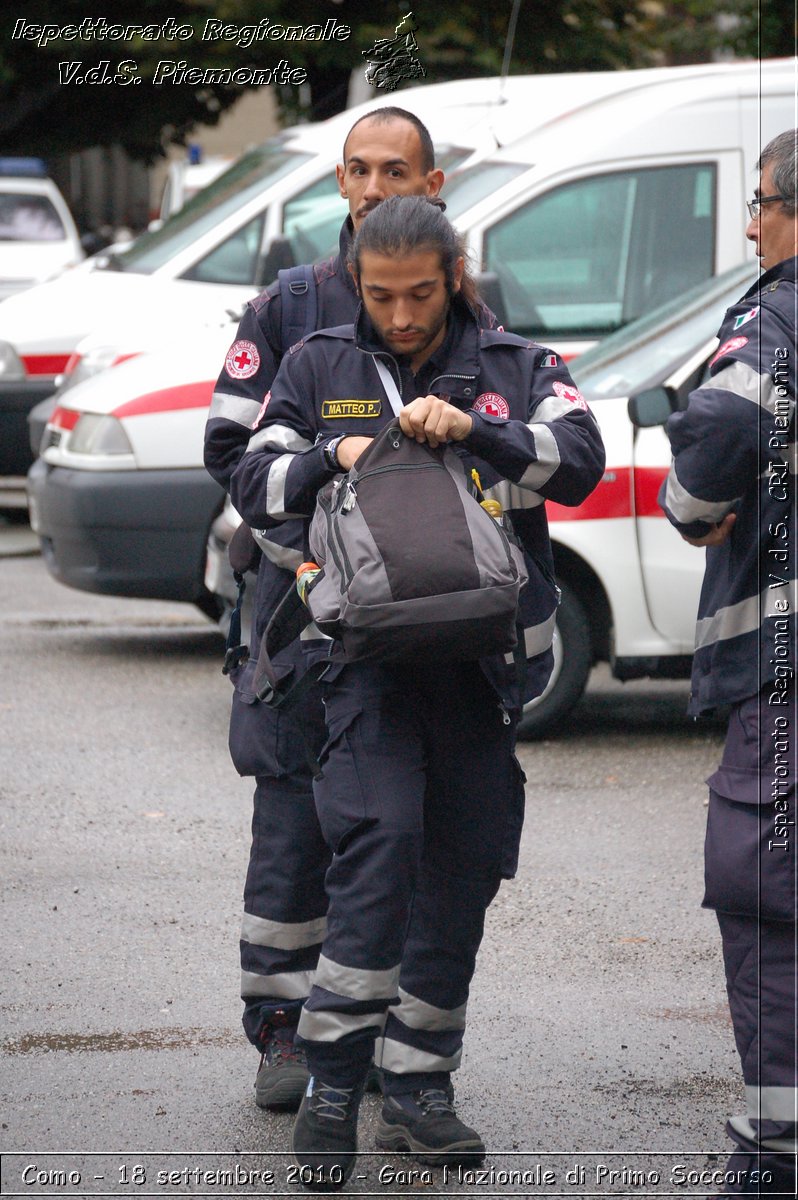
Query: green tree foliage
[(42, 114)]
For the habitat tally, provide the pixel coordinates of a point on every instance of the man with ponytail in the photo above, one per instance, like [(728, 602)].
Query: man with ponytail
[(419, 795)]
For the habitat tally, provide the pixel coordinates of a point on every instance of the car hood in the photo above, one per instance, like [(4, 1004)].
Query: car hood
[(53, 317), (157, 381)]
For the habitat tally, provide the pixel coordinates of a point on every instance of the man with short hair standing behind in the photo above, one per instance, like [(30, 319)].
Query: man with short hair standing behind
[(731, 489)]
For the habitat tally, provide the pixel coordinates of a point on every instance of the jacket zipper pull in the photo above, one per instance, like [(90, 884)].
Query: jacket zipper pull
[(505, 715)]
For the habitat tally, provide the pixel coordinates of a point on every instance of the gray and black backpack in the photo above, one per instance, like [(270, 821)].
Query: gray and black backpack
[(412, 566)]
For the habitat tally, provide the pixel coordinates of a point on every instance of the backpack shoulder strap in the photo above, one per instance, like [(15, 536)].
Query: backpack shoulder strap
[(298, 296)]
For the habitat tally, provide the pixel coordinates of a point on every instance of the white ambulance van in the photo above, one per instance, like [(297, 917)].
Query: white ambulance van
[(630, 195), (628, 199), (593, 166), (278, 204)]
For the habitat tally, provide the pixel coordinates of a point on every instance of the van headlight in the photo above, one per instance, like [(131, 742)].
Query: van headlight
[(10, 363), (99, 358), (98, 433)]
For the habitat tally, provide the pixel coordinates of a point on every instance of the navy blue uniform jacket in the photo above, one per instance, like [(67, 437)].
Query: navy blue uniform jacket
[(533, 437)]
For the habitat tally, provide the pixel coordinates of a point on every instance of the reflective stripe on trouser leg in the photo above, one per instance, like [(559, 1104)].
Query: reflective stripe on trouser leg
[(423, 1037), (761, 982), (411, 755), (370, 798), (470, 844), (285, 903)]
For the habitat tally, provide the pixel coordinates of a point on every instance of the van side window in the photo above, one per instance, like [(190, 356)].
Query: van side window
[(592, 255), (312, 220), (235, 260)]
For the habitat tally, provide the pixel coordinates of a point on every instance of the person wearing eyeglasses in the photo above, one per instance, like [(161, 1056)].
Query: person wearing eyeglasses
[(731, 489)]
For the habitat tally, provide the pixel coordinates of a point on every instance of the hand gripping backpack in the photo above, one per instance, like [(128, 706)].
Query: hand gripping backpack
[(413, 568)]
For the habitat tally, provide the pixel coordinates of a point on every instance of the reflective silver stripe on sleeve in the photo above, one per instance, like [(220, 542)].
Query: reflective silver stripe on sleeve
[(510, 495), (687, 508), (781, 1145), (551, 408), (290, 985), (418, 1014), (537, 638), (284, 936), (275, 488), (396, 1056), (234, 408), (281, 556), (746, 383), (548, 458), (279, 437), (357, 983), (746, 616), (324, 1026), (772, 1103)]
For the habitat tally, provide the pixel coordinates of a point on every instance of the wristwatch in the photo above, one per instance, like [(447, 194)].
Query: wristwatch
[(331, 453)]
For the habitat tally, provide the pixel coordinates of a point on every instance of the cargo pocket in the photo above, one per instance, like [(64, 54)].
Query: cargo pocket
[(341, 798), (262, 740), (750, 849), (749, 863), (515, 822)]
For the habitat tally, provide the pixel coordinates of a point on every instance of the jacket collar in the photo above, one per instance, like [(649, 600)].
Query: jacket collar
[(787, 269)]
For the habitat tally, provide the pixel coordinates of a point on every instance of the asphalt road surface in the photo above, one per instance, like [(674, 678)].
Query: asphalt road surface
[(599, 1055)]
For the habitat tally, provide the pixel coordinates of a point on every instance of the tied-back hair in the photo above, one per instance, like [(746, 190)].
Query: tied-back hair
[(403, 225), (781, 155)]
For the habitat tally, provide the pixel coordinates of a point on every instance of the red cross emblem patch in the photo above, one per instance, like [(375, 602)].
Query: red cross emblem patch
[(242, 360), (567, 391), (493, 405)]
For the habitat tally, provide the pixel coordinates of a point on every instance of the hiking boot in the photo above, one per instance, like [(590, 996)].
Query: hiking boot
[(426, 1124), (283, 1073), (373, 1079), (324, 1140)]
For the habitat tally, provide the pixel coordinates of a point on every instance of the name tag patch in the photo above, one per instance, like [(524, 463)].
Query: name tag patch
[(332, 410)]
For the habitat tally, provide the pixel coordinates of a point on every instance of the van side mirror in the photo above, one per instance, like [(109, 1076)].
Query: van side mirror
[(489, 290), (278, 257), (652, 407)]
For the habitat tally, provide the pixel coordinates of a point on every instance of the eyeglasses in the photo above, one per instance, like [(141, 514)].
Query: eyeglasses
[(754, 205)]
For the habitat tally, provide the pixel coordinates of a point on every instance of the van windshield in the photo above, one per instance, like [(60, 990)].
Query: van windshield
[(248, 177), (29, 218), (312, 218), (463, 189), (650, 349)]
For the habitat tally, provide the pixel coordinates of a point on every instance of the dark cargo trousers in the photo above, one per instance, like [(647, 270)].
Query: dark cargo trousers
[(285, 903), (420, 799), (750, 864)]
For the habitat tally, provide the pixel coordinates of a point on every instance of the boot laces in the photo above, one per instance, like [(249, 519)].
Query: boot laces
[(281, 1051), (331, 1102), (435, 1100)]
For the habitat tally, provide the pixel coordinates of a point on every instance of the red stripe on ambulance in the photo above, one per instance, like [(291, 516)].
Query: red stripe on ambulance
[(613, 499), (188, 395), (45, 364)]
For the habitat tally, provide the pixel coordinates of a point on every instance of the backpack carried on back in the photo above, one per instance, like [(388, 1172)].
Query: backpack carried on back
[(413, 567), (297, 319)]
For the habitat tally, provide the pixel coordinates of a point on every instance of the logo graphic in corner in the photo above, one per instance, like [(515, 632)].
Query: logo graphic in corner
[(391, 60), (729, 348), (242, 360), (567, 391), (744, 318), (493, 405)]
